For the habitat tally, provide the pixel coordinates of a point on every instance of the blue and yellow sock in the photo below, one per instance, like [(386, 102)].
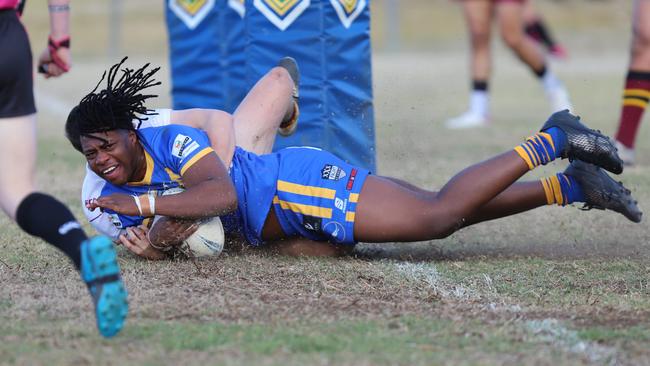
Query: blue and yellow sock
[(542, 147), (562, 189)]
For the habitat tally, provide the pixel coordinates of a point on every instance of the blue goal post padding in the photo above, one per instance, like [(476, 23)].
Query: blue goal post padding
[(218, 55)]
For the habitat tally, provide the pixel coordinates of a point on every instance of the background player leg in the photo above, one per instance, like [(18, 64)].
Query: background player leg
[(259, 115), (478, 17), (43, 216), (637, 84), (536, 28), (510, 17), (17, 179)]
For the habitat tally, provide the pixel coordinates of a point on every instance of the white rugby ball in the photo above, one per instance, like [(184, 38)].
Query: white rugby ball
[(208, 239)]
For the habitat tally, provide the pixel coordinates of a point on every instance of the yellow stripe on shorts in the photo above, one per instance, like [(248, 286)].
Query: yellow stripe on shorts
[(349, 216), (300, 208), (312, 191)]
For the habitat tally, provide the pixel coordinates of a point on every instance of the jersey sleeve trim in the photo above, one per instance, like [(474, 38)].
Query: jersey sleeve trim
[(196, 158)]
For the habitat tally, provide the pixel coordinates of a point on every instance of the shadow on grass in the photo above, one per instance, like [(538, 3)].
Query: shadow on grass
[(424, 252)]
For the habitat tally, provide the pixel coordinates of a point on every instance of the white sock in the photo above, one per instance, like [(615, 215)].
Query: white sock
[(479, 102), (550, 81)]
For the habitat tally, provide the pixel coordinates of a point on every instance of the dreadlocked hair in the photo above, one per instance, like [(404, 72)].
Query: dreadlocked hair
[(115, 107)]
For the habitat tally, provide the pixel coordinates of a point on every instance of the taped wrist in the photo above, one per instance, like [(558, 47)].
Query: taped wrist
[(53, 45)]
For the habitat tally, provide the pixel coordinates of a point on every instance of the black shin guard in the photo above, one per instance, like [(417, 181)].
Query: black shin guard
[(43, 216)]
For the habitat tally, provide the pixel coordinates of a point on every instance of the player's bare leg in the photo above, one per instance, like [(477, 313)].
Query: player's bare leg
[(640, 55), (387, 211), (17, 180), (259, 115), (637, 83), (478, 18), (473, 194), (511, 27), (290, 120), (519, 197), (41, 215)]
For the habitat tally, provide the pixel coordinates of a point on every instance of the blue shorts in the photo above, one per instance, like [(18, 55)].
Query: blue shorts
[(316, 195)]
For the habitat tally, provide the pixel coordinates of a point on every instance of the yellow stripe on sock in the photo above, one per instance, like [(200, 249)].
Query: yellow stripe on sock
[(529, 146), (636, 93), (557, 190), (524, 155), (631, 102), (548, 138), (548, 191), (541, 143), (312, 191), (300, 208)]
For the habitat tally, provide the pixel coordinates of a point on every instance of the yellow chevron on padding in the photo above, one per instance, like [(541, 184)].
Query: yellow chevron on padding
[(191, 6), (281, 7), (348, 5)]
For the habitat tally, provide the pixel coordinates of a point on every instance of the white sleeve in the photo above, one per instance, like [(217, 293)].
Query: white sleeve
[(101, 221), (163, 118)]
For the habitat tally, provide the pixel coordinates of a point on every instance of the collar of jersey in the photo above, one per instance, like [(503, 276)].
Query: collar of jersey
[(148, 174)]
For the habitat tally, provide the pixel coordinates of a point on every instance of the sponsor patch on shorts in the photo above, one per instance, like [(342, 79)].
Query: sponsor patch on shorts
[(312, 223), (353, 175), (332, 172)]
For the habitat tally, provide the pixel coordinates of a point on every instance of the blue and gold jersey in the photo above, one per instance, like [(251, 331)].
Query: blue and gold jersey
[(169, 151), (313, 193)]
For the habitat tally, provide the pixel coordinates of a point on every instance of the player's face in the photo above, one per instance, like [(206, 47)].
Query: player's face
[(112, 155)]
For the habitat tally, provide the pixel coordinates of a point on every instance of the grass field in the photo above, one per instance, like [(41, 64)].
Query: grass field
[(553, 286)]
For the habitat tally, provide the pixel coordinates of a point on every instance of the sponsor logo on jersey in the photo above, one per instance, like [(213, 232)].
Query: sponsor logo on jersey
[(348, 10), (188, 150), (179, 144), (341, 204), (282, 13), (332, 172), (312, 223), (335, 230), (183, 146), (353, 175), (238, 6), (191, 12)]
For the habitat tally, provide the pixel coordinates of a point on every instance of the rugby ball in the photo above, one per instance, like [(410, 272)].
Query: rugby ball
[(208, 239)]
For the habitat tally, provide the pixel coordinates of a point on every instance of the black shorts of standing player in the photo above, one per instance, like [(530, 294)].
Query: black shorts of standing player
[(16, 77)]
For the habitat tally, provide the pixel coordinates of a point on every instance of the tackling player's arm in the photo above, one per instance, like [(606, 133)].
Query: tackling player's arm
[(218, 125), (209, 192)]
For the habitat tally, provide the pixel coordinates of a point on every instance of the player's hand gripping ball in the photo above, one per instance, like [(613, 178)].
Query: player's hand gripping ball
[(206, 237)]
